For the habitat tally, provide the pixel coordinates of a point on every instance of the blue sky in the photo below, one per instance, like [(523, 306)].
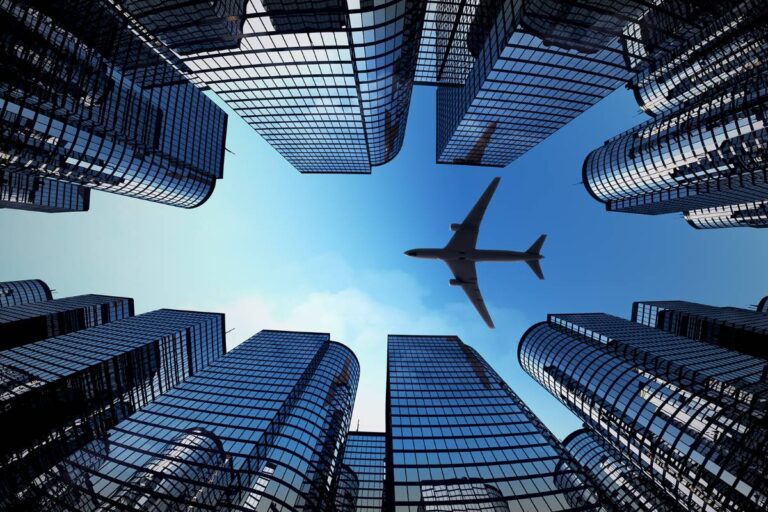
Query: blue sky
[(276, 249)]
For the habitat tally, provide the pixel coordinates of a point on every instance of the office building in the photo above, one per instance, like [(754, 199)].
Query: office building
[(260, 429), (620, 485), (64, 393), (90, 100), (360, 485), (326, 83), (37, 321), (13, 293), (689, 415), (703, 153), (458, 438), (738, 329)]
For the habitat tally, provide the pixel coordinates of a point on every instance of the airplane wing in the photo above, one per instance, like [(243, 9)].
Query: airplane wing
[(465, 237), (464, 272)]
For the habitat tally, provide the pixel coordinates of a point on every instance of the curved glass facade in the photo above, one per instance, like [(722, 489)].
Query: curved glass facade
[(34, 193), (621, 484), (326, 83), (458, 437), (60, 393), (36, 321), (260, 429), (733, 46), (733, 328), (13, 293), (107, 109), (752, 215), (689, 415)]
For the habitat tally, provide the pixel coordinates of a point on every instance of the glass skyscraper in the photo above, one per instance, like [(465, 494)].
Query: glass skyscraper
[(360, 485), (36, 321), (689, 415), (90, 100), (735, 328), (621, 485), (260, 429), (63, 393), (13, 293), (458, 438), (703, 154)]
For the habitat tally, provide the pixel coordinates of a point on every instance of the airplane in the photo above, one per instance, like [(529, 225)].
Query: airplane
[(460, 254)]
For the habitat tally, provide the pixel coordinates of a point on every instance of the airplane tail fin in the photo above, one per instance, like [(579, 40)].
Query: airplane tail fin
[(536, 267), (536, 247)]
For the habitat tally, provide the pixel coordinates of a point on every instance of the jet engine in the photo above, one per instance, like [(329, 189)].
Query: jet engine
[(455, 282), (455, 227)]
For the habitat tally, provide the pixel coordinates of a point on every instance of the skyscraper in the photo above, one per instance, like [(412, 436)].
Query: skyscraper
[(703, 153), (762, 306), (326, 83), (458, 438), (62, 393), (735, 328), (36, 321), (360, 486), (619, 484), (260, 429), (90, 100), (689, 415), (13, 293)]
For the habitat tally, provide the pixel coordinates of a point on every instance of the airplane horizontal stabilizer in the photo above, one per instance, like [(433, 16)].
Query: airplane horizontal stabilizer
[(534, 264)]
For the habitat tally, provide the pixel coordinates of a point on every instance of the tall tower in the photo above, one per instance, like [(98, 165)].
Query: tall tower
[(13, 293), (735, 328), (326, 83), (64, 393), (689, 415), (703, 154), (457, 436), (619, 483), (90, 100), (26, 323), (260, 429), (360, 486)]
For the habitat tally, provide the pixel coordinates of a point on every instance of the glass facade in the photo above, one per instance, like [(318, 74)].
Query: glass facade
[(36, 321), (752, 215), (619, 483), (34, 193), (326, 83), (360, 486), (537, 65), (13, 293), (458, 438), (704, 152), (734, 328), (108, 109), (260, 429), (63, 393), (689, 415)]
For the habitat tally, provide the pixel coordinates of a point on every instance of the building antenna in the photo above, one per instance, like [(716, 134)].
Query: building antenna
[(358, 425)]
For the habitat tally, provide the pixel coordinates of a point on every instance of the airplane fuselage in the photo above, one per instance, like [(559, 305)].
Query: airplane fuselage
[(472, 255)]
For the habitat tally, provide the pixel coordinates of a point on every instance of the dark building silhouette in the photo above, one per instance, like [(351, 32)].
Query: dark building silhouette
[(458, 438), (360, 487), (89, 100), (13, 293), (36, 321), (703, 154), (689, 415), (62, 393), (621, 486), (260, 429), (734, 328)]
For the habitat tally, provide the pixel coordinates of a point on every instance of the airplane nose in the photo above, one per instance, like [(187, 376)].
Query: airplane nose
[(410, 252)]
